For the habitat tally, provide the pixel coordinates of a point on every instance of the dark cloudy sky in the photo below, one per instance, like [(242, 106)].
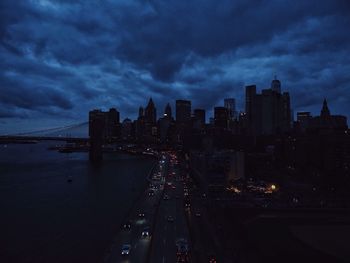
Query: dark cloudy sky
[(58, 59)]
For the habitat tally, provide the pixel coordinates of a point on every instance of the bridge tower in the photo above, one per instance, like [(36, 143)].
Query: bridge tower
[(96, 134)]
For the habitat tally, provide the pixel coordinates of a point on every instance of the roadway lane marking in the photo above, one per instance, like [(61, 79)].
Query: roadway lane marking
[(163, 259)]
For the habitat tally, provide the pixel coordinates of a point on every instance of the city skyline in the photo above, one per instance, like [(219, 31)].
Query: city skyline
[(59, 60), (175, 131), (228, 103), (208, 113)]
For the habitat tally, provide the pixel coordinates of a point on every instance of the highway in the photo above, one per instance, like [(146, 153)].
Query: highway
[(167, 201), (168, 232)]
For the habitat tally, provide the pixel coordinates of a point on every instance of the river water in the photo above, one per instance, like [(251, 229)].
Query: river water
[(44, 218)]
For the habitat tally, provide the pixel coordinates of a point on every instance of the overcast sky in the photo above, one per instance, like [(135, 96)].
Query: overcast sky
[(59, 59)]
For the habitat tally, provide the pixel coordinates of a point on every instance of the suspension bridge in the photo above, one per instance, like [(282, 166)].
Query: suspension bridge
[(69, 133)]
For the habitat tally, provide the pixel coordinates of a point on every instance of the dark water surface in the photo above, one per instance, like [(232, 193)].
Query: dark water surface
[(43, 218)]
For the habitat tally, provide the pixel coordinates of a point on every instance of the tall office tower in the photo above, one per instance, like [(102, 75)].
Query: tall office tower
[(140, 125), (286, 117), (276, 85), (127, 129), (211, 121), (329, 122), (113, 116), (141, 112), (230, 105), (220, 117), (113, 122), (167, 112), (268, 112), (250, 93), (183, 111), (165, 124), (276, 112), (252, 107), (199, 115), (325, 113), (198, 119), (150, 112)]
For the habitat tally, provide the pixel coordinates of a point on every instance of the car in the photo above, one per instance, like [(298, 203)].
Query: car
[(141, 215), (145, 232), (170, 219), (212, 259), (151, 193), (187, 203), (166, 197), (127, 225), (182, 250), (181, 242), (126, 249)]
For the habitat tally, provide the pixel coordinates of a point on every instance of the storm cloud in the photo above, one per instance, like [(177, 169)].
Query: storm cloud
[(62, 58)]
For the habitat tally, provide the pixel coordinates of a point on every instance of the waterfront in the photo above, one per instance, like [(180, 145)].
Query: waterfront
[(47, 219)]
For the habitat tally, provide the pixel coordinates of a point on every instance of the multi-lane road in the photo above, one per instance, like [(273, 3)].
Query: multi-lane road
[(141, 216), (171, 223), (162, 204)]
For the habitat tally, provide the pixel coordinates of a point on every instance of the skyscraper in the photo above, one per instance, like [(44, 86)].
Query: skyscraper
[(150, 112), (268, 112), (252, 105), (276, 85), (113, 123), (286, 117), (113, 116), (141, 112), (230, 105), (325, 113), (199, 115), (183, 111), (250, 94), (167, 111), (327, 122), (220, 117)]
